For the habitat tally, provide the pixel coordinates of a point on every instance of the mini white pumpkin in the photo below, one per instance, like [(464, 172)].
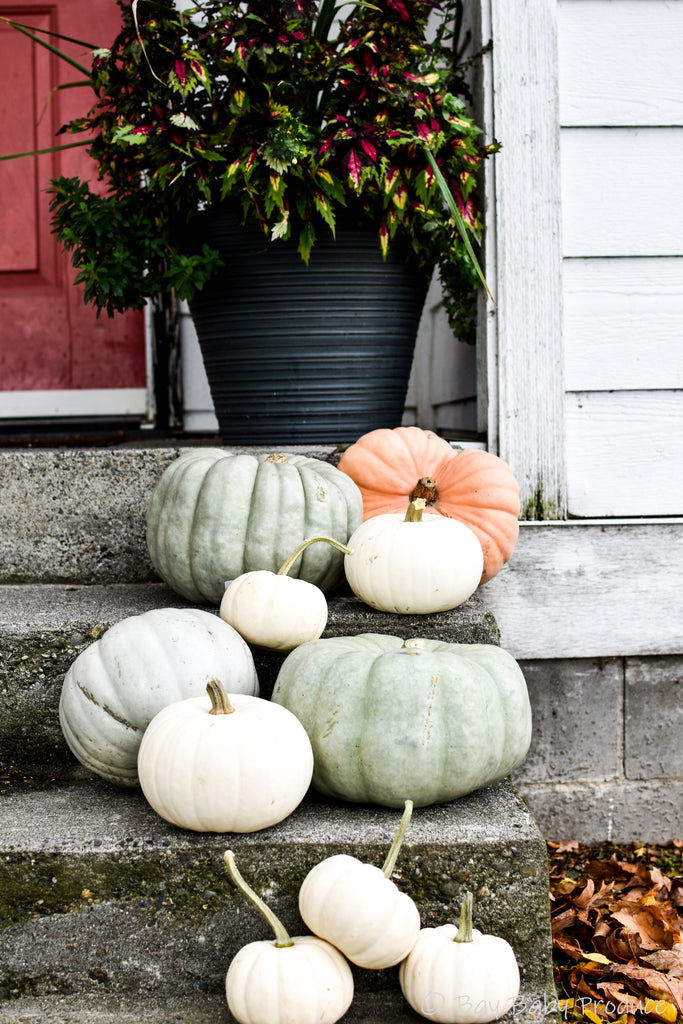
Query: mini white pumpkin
[(224, 763), (359, 909), (459, 976), (299, 980), (117, 685), (275, 610), (410, 565)]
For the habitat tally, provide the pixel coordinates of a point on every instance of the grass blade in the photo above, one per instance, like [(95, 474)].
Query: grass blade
[(457, 217)]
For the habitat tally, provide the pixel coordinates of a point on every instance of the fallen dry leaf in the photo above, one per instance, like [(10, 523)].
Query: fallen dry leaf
[(668, 960), (617, 935)]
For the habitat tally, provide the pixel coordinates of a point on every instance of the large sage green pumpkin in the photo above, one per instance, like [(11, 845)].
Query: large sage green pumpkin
[(214, 515), (392, 720)]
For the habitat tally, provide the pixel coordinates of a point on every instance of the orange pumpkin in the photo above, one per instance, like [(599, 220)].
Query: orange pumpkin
[(393, 467)]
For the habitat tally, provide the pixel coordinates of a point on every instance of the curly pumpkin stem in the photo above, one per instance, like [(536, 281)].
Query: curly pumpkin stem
[(390, 862), (465, 923), (415, 510), (282, 939), (220, 702), (284, 569), (425, 488)]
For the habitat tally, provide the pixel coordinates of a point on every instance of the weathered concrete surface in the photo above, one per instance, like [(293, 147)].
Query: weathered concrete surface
[(43, 628), (606, 759), (578, 709), (653, 715), (100, 898), (617, 811), (77, 515)]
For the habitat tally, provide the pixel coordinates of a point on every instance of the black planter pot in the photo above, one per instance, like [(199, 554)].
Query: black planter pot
[(305, 355)]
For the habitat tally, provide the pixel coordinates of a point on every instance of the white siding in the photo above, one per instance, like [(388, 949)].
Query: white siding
[(621, 111), (620, 62), (442, 393)]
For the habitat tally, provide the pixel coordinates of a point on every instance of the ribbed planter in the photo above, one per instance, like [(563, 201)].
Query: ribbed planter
[(301, 355)]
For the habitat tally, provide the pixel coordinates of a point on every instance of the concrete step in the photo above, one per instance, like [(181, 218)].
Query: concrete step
[(77, 515), (101, 901), (43, 628), (107, 914)]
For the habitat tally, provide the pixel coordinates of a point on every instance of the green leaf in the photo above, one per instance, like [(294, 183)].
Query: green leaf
[(457, 217), (31, 33)]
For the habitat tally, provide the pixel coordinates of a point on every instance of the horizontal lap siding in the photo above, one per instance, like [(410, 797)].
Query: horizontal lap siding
[(621, 102), (620, 62)]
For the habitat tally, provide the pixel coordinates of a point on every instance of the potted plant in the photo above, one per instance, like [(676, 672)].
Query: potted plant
[(344, 140)]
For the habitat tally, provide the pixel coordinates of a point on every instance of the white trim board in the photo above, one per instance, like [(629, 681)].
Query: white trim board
[(609, 588), (81, 402), (523, 254)]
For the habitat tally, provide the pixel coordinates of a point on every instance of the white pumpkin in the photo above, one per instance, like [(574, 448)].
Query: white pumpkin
[(359, 909), (410, 565), (275, 610), (118, 684), (225, 763), (299, 980), (459, 976)]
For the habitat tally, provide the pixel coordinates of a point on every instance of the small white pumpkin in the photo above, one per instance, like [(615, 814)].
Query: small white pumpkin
[(116, 686), (224, 763), (459, 976), (410, 565), (359, 909), (275, 610), (299, 980)]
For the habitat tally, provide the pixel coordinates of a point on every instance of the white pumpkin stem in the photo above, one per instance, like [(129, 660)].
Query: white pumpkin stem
[(282, 939), (390, 862), (465, 923), (220, 702), (284, 569), (415, 509), (276, 457)]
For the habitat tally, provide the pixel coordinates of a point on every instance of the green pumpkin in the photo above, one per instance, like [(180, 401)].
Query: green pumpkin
[(392, 720), (214, 516)]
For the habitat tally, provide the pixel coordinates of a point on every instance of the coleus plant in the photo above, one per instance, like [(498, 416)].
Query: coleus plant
[(298, 117)]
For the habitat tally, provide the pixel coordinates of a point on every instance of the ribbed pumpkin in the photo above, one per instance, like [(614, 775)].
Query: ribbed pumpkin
[(116, 686), (392, 720), (413, 566), (392, 467), (300, 979), (459, 975), (359, 909), (214, 516), (229, 763)]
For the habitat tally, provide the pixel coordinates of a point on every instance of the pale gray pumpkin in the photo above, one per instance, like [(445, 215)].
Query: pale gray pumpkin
[(116, 686), (214, 516), (419, 720)]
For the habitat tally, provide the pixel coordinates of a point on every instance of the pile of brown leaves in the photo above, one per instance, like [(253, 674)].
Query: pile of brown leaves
[(617, 935)]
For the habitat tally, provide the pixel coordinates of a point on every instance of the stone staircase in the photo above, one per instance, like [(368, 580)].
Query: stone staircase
[(108, 914)]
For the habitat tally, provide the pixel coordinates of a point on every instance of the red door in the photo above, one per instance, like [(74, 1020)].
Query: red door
[(56, 357)]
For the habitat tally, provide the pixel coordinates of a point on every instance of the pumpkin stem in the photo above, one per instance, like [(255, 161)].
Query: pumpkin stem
[(465, 923), (415, 509), (282, 939), (220, 702), (276, 458), (425, 488), (390, 862), (284, 569)]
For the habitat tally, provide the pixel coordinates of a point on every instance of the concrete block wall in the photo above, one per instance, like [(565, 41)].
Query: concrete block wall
[(606, 760)]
